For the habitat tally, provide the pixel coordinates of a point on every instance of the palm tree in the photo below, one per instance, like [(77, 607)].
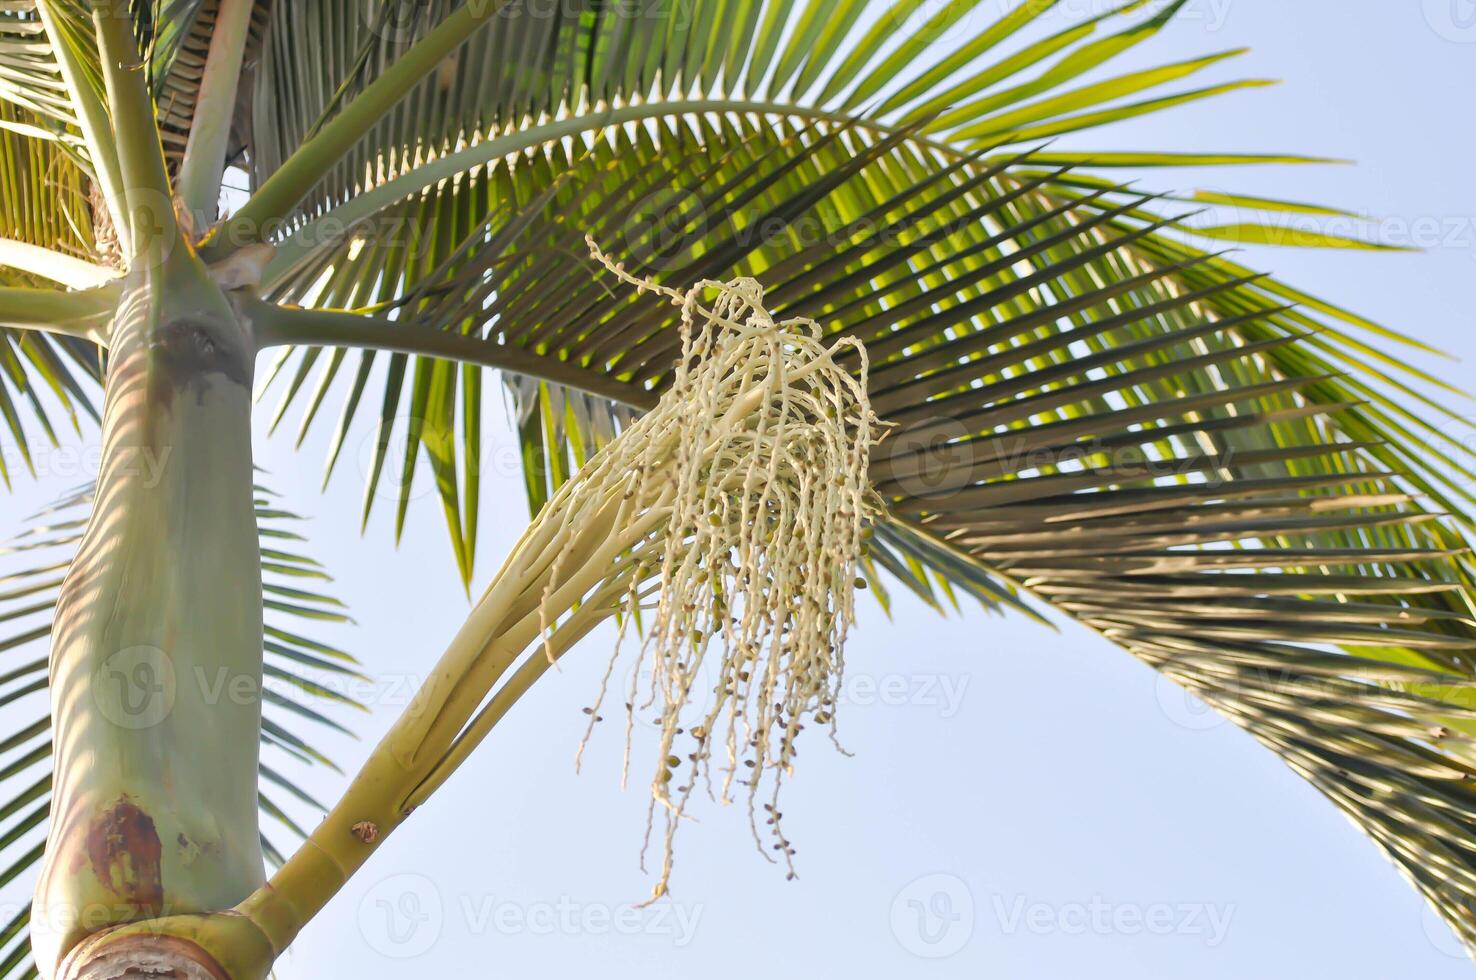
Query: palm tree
[(864, 225)]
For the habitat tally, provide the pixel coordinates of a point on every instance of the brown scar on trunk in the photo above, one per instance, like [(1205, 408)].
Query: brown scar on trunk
[(123, 848), (190, 348)]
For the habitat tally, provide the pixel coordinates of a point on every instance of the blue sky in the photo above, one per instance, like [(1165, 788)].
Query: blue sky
[(1020, 803)]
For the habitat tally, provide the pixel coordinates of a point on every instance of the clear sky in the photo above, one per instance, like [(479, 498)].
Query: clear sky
[(1021, 803)]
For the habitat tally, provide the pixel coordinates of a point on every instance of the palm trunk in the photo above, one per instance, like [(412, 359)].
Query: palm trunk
[(156, 656)]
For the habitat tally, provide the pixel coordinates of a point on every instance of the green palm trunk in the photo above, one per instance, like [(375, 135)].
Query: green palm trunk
[(156, 659)]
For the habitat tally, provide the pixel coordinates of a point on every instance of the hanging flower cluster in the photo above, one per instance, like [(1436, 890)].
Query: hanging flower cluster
[(744, 501)]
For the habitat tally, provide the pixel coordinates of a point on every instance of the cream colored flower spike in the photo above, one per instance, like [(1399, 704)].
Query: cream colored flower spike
[(751, 475)]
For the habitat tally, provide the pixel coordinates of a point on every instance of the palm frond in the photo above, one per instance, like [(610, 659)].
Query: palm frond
[(41, 376), (537, 60), (878, 236), (48, 191), (1090, 411)]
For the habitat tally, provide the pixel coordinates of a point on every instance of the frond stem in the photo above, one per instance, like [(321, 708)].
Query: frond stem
[(84, 315), (92, 117), (290, 183), (150, 211), (278, 325), (203, 166), (67, 270), (313, 234)]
